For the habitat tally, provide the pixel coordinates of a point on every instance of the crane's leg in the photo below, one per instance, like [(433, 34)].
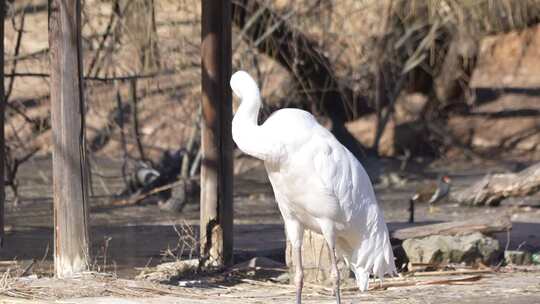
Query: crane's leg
[(295, 234), (327, 229)]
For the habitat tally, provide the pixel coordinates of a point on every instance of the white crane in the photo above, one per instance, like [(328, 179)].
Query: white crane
[(318, 185)]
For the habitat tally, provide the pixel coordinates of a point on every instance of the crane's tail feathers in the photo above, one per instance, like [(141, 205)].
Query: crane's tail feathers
[(362, 278), (374, 255)]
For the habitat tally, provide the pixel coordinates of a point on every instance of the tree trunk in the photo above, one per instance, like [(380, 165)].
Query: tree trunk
[(67, 118), (216, 168), (2, 137)]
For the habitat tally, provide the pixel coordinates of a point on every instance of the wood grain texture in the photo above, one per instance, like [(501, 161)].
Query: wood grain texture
[(2, 137), (67, 120), (483, 224), (492, 189), (216, 167)]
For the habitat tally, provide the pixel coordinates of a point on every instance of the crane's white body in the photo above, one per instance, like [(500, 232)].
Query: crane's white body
[(317, 182)]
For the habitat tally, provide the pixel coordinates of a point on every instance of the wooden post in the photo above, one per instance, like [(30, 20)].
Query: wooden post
[(216, 170), (67, 120), (2, 139)]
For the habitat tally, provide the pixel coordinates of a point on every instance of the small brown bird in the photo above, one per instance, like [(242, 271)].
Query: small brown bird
[(431, 194)]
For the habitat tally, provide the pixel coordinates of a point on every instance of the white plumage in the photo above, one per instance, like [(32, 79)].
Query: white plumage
[(318, 184)]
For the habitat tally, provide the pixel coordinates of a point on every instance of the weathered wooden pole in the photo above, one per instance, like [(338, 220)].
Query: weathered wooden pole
[(67, 121), (216, 170), (2, 138)]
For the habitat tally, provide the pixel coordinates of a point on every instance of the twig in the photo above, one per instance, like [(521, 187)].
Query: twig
[(125, 154), (101, 45), (196, 163), (402, 283), (451, 272), (452, 281), (20, 32), (190, 146), (139, 197), (45, 254), (389, 110), (450, 140), (27, 268), (23, 115), (95, 78), (135, 117), (189, 149), (12, 167), (28, 56), (380, 84)]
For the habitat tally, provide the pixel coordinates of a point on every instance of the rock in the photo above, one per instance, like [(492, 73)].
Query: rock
[(505, 81), (261, 267), (282, 278), (392, 179), (516, 257), (509, 60), (536, 258), (438, 249), (404, 131), (506, 130), (363, 130), (316, 260)]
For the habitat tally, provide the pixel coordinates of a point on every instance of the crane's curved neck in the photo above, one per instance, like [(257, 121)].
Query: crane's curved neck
[(248, 111), (248, 135)]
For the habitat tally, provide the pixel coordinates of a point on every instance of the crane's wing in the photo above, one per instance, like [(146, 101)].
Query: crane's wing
[(369, 250), (343, 176)]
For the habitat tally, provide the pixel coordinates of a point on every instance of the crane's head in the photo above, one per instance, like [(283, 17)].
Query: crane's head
[(244, 86)]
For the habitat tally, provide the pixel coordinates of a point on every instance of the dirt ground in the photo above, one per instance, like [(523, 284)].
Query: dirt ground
[(127, 239), (509, 287), (130, 238)]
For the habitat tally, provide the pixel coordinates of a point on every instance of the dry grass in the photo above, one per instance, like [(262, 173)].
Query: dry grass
[(93, 284), (348, 32)]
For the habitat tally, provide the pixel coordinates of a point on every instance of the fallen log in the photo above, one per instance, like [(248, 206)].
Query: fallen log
[(451, 272), (483, 224), (138, 197), (492, 189), (401, 283)]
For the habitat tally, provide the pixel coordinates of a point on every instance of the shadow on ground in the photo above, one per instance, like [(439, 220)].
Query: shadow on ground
[(124, 248)]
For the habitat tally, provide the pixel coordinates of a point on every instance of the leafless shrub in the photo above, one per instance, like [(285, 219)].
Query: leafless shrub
[(370, 55), (187, 244)]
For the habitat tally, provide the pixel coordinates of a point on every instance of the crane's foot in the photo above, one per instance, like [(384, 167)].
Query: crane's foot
[(299, 274), (299, 282), (336, 279), (338, 296)]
